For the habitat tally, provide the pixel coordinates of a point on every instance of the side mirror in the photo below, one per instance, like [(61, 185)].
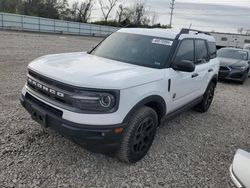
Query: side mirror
[(184, 66)]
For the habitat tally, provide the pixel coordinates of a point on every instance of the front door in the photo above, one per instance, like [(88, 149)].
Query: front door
[(183, 84)]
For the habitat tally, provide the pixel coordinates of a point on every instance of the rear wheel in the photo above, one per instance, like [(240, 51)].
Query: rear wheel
[(139, 135), (204, 105)]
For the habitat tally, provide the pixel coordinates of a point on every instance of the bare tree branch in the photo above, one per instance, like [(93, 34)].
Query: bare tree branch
[(82, 12), (106, 9)]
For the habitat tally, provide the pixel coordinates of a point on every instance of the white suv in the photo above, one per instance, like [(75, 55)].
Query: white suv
[(113, 98)]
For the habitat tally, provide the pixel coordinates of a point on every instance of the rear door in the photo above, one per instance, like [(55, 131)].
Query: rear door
[(203, 67)]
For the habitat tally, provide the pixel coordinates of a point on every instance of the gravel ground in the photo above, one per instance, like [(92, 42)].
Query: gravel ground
[(192, 150)]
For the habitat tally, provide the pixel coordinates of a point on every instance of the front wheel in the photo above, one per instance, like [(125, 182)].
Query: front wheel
[(244, 78), (139, 135), (204, 105)]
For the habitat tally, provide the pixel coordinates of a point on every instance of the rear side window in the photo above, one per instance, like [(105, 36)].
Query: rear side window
[(212, 49), (185, 51), (201, 51)]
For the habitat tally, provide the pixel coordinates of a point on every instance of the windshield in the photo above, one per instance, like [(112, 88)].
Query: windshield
[(135, 49), (233, 54)]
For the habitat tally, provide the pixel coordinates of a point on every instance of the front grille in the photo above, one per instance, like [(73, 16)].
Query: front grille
[(224, 68), (223, 74), (48, 95), (52, 83), (52, 91), (237, 75), (43, 105)]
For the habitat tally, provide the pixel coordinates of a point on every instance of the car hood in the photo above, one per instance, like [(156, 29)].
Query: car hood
[(232, 62), (85, 70)]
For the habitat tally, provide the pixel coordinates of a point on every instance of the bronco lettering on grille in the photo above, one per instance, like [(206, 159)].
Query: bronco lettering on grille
[(45, 88)]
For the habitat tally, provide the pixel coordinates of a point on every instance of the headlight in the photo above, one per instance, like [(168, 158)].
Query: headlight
[(95, 101)]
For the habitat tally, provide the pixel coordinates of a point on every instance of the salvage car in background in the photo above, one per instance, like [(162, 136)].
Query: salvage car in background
[(240, 169), (234, 64), (247, 46)]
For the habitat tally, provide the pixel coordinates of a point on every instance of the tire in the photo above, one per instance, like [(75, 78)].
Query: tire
[(204, 105), (138, 136), (244, 78)]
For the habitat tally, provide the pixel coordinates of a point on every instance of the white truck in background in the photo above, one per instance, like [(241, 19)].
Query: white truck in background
[(231, 40)]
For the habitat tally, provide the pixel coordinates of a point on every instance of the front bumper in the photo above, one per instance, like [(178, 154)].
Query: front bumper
[(96, 138), (234, 178), (235, 75)]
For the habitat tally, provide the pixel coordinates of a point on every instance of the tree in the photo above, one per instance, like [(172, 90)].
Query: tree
[(85, 10), (120, 12), (123, 14), (73, 10), (106, 8), (139, 13), (154, 18), (11, 6), (240, 30), (82, 12), (45, 8)]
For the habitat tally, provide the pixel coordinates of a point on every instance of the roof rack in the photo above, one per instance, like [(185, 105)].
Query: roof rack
[(186, 31)]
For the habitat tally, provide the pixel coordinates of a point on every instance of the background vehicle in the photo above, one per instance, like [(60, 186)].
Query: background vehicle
[(233, 64), (247, 46), (240, 169), (113, 98)]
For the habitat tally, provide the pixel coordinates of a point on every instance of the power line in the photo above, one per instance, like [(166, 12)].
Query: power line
[(172, 11), (200, 14)]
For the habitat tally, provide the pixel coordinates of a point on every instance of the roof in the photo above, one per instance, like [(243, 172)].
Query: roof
[(166, 33)]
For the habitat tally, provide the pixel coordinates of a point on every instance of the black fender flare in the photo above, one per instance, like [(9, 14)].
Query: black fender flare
[(152, 98), (214, 77)]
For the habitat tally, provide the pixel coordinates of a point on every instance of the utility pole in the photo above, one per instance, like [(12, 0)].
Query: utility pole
[(172, 3)]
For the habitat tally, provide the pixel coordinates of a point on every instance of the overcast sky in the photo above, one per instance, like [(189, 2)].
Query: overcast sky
[(217, 15)]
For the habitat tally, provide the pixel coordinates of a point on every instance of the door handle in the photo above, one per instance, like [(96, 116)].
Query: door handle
[(210, 70), (195, 75)]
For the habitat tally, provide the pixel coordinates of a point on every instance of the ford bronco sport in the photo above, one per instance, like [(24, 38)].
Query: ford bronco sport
[(112, 98)]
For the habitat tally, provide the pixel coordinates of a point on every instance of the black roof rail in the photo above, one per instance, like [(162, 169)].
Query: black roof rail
[(186, 31)]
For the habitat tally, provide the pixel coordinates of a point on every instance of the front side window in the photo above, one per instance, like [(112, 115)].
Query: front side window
[(233, 54), (185, 51), (135, 49), (201, 51)]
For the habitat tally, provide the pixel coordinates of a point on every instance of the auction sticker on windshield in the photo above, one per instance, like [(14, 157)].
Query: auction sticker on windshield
[(162, 42)]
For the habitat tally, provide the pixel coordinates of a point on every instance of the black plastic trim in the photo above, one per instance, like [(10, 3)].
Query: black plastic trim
[(215, 76), (96, 138), (153, 98), (182, 109), (169, 85)]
